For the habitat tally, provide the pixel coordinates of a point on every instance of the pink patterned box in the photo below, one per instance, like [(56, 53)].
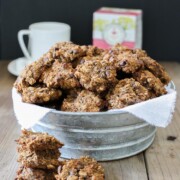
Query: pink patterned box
[(115, 25)]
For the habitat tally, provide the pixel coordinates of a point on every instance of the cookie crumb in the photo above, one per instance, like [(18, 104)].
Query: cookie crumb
[(171, 138)]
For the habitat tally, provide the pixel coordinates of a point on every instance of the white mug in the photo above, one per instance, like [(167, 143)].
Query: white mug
[(42, 36)]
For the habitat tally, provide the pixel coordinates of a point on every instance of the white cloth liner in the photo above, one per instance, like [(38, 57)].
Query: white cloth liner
[(157, 111)]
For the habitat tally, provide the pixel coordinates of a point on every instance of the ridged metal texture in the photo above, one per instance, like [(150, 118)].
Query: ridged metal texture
[(104, 136)]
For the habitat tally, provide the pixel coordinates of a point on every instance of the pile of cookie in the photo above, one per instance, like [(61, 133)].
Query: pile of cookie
[(39, 157), (74, 78)]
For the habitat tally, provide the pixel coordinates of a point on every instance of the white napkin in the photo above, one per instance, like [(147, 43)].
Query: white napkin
[(157, 111), (27, 114)]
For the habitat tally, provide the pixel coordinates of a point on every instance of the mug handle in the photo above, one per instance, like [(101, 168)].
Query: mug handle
[(21, 33)]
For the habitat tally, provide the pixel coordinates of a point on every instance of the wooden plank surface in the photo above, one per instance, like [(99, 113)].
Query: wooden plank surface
[(163, 157), (9, 128), (160, 161), (132, 168)]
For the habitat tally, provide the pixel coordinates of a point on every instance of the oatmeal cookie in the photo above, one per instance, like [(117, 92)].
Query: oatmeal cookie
[(126, 92), (124, 58), (93, 51), (20, 84), (67, 51), (86, 58), (60, 75), (128, 63), (24, 173), (82, 101), (43, 159), (152, 83), (140, 53), (30, 75), (83, 168), (96, 75), (37, 141), (33, 71), (118, 48), (39, 95), (156, 69)]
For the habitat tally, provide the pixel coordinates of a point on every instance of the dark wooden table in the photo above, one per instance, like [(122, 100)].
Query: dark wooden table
[(160, 161)]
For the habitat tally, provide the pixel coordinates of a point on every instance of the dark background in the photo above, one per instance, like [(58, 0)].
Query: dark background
[(161, 22)]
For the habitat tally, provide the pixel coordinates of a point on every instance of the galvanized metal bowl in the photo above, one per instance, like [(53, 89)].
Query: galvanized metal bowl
[(102, 135)]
